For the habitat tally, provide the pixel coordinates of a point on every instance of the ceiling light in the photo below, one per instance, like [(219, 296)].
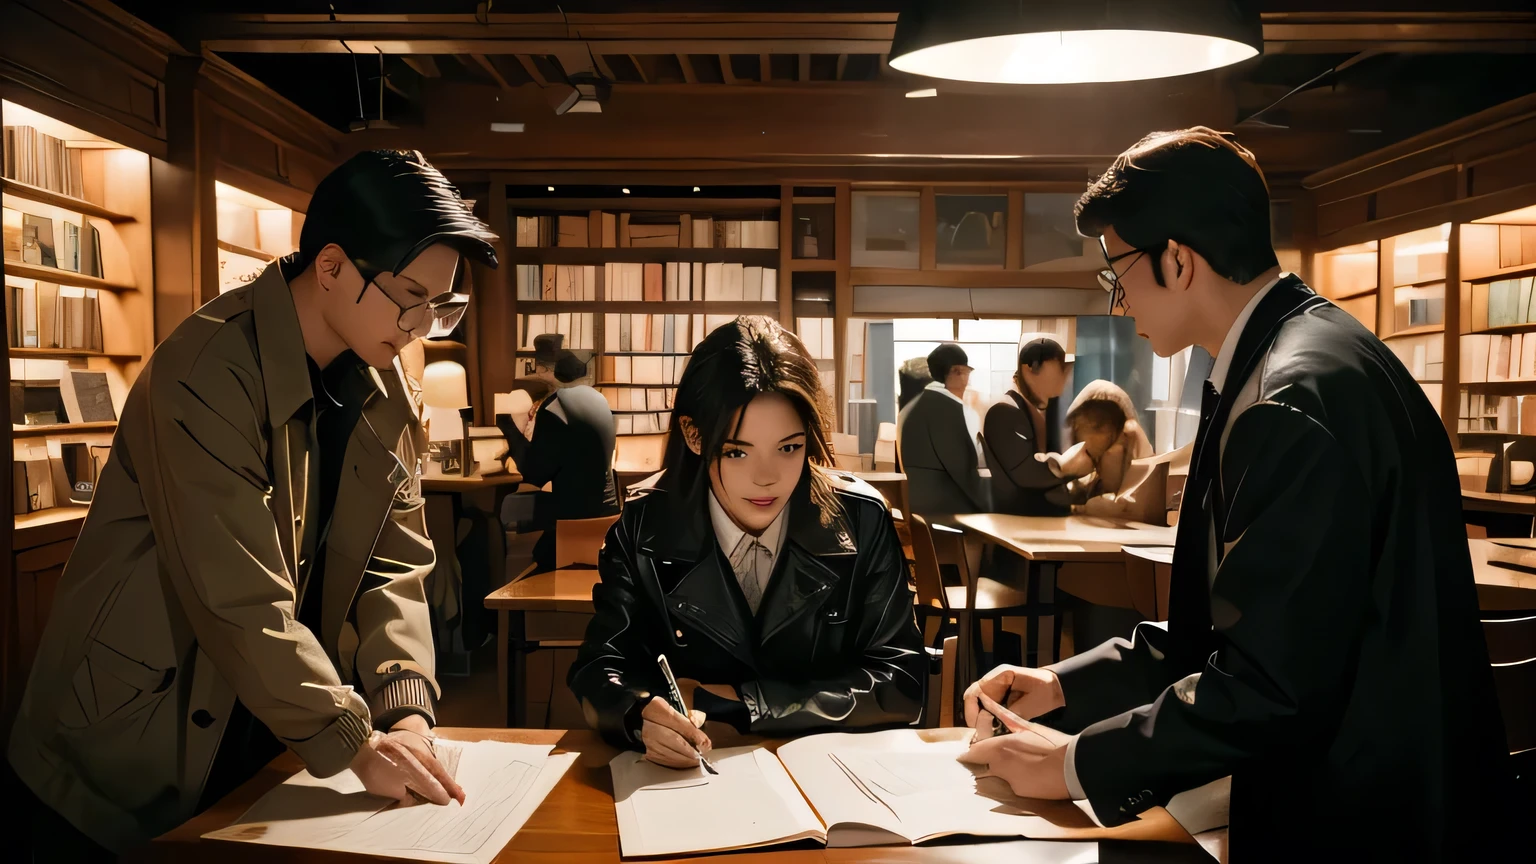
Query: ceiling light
[(1070, 42), (695, 188), (626, 190), (506, 127), (551, 188), (922, 94)]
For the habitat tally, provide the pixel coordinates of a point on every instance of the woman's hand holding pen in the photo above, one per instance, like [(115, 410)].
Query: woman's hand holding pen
[(671, 739)]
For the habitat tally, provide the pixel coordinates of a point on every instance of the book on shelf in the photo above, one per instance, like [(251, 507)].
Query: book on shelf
[(87, 396), (577, 327), (641, 371), (1491, 357), (41, 160), (817, 336), (1486, 412), (666, 236), (47, 315), (711, 282), (1424, 356), (1503, 303)]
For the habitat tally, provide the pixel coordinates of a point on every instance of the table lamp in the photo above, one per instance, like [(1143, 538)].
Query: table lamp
[(445, 393)]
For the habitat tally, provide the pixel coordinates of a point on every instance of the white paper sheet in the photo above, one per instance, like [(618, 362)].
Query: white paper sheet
[(751, 802), (503, 784)]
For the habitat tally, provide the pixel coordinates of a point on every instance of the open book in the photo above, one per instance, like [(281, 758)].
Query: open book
[(898, 787), (503, 784)]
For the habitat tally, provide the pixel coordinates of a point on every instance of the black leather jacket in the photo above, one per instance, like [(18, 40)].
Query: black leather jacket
[(834, 643)]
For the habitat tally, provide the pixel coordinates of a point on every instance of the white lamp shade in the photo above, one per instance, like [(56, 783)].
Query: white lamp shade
[(445, 384), (443, 424)]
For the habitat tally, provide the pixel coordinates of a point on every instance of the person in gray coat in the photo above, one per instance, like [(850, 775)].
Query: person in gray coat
[(939, 438)]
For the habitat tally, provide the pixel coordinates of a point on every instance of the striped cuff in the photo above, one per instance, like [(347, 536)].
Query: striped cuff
[(330, 750), (400, 695)]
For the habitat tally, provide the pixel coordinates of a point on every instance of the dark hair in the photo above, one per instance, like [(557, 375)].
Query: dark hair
[(733, 365), (913, 377), (944, 358), (383, 208), (569, 368), (1040, 351), (1196, 186)]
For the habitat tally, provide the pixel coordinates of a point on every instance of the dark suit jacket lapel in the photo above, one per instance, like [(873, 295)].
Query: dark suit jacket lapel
[(1189, 604)]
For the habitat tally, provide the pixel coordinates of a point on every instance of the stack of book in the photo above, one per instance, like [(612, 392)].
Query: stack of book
[(658, 370), (576, 327), (697, 281), (1485, 412), (817, 334), (44, 161), (556, 282), (735, 234), (46, 315), (670, 334)]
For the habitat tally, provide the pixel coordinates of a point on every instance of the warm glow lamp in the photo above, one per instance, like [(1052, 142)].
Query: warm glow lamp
[(444, 390), (1073, 41)]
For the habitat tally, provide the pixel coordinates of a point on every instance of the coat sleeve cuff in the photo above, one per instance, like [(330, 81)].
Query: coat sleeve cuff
[(401, 695), (330, 750)]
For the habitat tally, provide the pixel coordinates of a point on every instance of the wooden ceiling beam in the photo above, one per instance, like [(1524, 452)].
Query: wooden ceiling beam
[(706, 33), (686, 63), (532, 69), (635, 59), (490, 69), (603, 68), (423, 64)]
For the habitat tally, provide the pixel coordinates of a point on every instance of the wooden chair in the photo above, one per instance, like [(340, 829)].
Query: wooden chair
[(968, 605), (577, 541)]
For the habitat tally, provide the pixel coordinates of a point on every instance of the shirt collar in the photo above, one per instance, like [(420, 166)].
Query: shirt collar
[(729, 534), (938, 386), (1229, 345)]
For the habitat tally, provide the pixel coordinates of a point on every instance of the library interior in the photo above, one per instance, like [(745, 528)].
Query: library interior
[(847, 431)]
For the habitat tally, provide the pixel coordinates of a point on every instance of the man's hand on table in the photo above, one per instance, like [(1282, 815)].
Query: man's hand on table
[(1031, 758), (404, 761)]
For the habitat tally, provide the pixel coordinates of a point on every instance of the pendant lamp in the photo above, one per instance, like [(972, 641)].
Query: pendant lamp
[(1072, 41)]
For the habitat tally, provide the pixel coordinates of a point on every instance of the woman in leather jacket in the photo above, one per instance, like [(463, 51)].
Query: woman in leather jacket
[(774, 585)]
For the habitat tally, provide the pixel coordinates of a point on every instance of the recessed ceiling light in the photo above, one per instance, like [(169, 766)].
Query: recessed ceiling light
[(695, 188), (1069, 43), (626, 190), (551, 188), (922, 94), (506, 127)]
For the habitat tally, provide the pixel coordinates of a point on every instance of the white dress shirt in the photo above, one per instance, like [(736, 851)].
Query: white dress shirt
[(1185, 689), (752, 558)]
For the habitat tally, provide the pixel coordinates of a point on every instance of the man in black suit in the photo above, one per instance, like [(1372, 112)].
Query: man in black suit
[(571, 447), (1323, 647), (939, 438), (1024, 424)]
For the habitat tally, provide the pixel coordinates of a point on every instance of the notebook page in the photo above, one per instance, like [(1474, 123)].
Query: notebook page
[(751, 802)]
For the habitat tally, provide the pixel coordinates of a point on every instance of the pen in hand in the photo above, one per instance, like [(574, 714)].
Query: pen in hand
[(676, 699)]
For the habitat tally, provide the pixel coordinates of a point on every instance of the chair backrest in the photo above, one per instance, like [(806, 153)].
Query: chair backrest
[(1512, 651), (845, 444), (925, 561), (577, 541)]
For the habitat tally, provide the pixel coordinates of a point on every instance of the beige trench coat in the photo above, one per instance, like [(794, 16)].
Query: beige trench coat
[(180, 594)]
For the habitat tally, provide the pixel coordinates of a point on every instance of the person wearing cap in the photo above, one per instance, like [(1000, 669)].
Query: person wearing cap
[(570, 446), (546, 350), (1025, 424), (939, 437), (250, 575)]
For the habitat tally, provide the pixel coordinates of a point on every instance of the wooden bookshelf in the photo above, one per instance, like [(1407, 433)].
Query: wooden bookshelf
[(601, 281), (252, 233), (1496, 275), (88, 182)]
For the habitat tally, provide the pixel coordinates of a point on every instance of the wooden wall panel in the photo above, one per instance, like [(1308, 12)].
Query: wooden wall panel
[(1420, 193), (1506, 171), (84, 62)]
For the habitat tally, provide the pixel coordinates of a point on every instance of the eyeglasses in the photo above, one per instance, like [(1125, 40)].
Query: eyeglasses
[(434, 317), (1109, 280)]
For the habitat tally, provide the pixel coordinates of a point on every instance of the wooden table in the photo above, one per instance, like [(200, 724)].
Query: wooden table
[(440, 483), (544, 610), (1045, 542), (1500, 588), (576, 825), (1498, 502)]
